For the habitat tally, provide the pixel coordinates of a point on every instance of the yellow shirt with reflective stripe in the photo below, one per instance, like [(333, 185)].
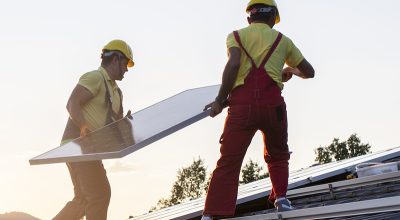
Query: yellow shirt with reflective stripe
[(257, 39), (96, 110)]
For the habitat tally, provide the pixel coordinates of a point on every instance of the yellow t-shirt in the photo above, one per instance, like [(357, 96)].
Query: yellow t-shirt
[(257, 39), (96, 110)]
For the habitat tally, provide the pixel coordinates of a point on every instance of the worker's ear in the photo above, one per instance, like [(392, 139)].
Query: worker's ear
[(115, 60)]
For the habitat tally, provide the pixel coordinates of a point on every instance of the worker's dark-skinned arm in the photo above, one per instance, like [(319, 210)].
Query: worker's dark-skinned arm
[(79, 96), (303, 70), (228, 81), (306, 70)]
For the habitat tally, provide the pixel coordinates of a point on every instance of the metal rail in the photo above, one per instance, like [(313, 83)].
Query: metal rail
[(388, 204), (343, 185)]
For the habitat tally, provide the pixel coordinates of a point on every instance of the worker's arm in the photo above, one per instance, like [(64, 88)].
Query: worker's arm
[(228, 81), (303, 70), (79, 97)]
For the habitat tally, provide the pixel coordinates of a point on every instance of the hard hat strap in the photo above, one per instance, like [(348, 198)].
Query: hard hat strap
[(119, 67), (112, 52), (260, 10)]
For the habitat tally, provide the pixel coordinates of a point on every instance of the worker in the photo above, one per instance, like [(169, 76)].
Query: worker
[(95, 102), (251, 86)]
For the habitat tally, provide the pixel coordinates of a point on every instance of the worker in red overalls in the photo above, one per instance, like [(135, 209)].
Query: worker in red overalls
[(251, 85)]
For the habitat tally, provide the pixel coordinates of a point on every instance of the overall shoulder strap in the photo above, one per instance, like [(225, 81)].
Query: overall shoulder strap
[(108, 99), (111, 115), (121, 109), (237, 38), (271, 50)]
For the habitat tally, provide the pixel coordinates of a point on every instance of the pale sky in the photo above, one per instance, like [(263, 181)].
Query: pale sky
[(46, 45)]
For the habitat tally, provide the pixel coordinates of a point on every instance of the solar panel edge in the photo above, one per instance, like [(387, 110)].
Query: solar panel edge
[(81, 158), (163, 100)]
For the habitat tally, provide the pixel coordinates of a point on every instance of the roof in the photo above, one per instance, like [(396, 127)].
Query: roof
[(252, 197), (349, 199)]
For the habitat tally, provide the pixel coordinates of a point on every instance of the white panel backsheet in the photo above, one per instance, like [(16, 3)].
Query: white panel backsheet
[(128, 135), (261, 188)]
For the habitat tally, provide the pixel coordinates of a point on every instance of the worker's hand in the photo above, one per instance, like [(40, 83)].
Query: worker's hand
[(84, 130), (287, 73), (129, 114), (216, 108), (286, 76)]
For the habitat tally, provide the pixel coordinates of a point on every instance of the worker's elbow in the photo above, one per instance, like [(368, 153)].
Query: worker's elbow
[(306, 69), (310, 74), (72, 105), (68, 106)]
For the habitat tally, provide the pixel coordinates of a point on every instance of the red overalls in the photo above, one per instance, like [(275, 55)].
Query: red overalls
[(256, 105)]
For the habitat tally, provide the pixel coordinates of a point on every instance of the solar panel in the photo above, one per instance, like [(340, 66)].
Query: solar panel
[(337, 211), (127, 135), (261, 188)]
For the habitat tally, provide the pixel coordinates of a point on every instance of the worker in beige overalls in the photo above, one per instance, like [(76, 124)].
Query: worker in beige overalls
[(95, 102)]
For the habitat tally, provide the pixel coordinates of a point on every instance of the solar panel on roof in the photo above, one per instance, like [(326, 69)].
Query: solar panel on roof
[(337, 211), (261, 188), (345, 191), (127, 135)]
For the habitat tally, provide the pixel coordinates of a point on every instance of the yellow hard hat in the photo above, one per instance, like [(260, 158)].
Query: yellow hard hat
[(265, 2), (123, 47)]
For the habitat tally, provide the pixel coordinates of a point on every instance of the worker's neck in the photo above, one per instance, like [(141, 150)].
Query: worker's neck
[(270, 24)]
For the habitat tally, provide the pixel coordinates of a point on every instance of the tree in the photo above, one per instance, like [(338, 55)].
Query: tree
[(356, 148), (190, 184), (251, 172), (341, 150), (323, 155), (338, 149)]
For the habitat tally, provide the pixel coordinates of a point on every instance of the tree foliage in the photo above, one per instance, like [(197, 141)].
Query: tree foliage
[(190, 184), (192, 181), (323, 155), (338, 150), (252, 172)]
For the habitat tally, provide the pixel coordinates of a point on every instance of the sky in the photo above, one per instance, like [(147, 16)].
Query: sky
[(178, 45)]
